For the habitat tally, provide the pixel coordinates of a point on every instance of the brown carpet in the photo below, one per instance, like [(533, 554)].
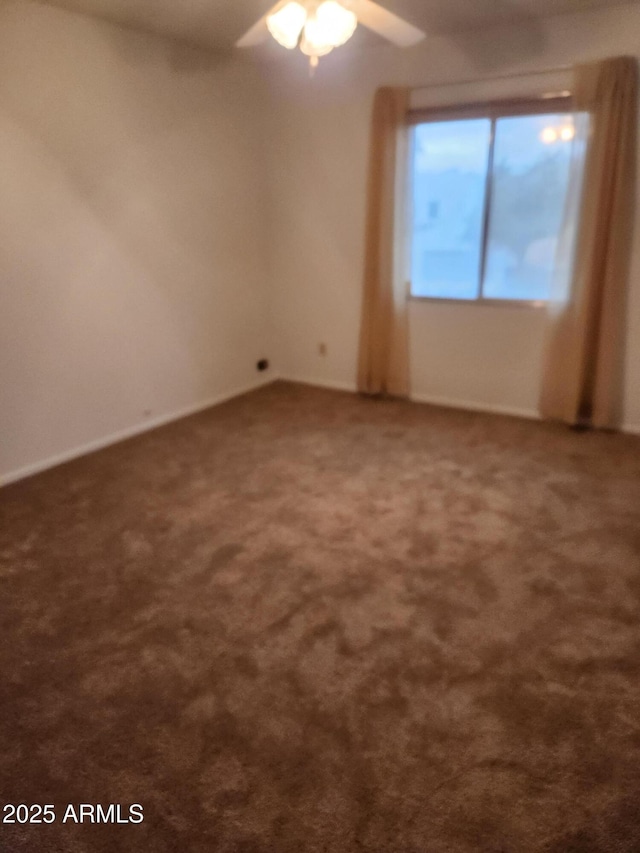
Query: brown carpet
[(304, 621)]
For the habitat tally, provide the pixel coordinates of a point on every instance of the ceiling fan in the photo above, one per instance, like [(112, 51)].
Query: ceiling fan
[(318, 26)]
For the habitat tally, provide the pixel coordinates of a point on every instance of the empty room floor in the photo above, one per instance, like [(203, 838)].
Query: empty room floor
[(307, 621)]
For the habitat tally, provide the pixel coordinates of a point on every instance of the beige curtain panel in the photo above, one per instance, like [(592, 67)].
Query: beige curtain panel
[(383, 363), (582, 376)]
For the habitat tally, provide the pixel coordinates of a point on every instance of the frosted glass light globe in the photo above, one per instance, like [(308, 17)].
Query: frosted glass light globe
[(286, 24), (337, 23)]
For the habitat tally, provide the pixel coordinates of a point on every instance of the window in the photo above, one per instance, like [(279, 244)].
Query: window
[(489, 196)]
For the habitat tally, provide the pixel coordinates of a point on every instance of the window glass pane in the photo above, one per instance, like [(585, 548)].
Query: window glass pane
[(449, 182), (530, 177)]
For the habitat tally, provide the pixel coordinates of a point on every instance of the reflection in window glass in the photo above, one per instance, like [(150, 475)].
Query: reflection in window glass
[(531, 165), (449, 182)]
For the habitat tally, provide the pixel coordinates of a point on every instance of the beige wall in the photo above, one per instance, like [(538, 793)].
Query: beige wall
[(487, 357), (133, 280)]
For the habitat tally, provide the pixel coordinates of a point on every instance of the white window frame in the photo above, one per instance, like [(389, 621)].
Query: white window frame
[(449, 103)]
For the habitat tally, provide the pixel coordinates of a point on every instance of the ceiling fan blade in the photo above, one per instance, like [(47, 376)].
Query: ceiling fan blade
[(256, 35), (386, 24)]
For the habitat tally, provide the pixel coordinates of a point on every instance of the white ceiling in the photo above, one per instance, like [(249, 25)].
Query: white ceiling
[(219, 23)]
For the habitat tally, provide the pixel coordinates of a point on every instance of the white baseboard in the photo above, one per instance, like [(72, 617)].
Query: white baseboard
[(423, 398), (321, 383), (473, 406), (129, 432), (444, 402)]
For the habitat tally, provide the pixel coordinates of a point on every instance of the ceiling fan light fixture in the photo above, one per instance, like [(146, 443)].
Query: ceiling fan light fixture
[(315, 27), (287, 23), (318, 26)]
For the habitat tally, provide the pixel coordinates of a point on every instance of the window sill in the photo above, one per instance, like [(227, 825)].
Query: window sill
[(493, 303)]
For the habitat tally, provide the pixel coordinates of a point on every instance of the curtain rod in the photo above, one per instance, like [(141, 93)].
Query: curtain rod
[(555, 70)]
